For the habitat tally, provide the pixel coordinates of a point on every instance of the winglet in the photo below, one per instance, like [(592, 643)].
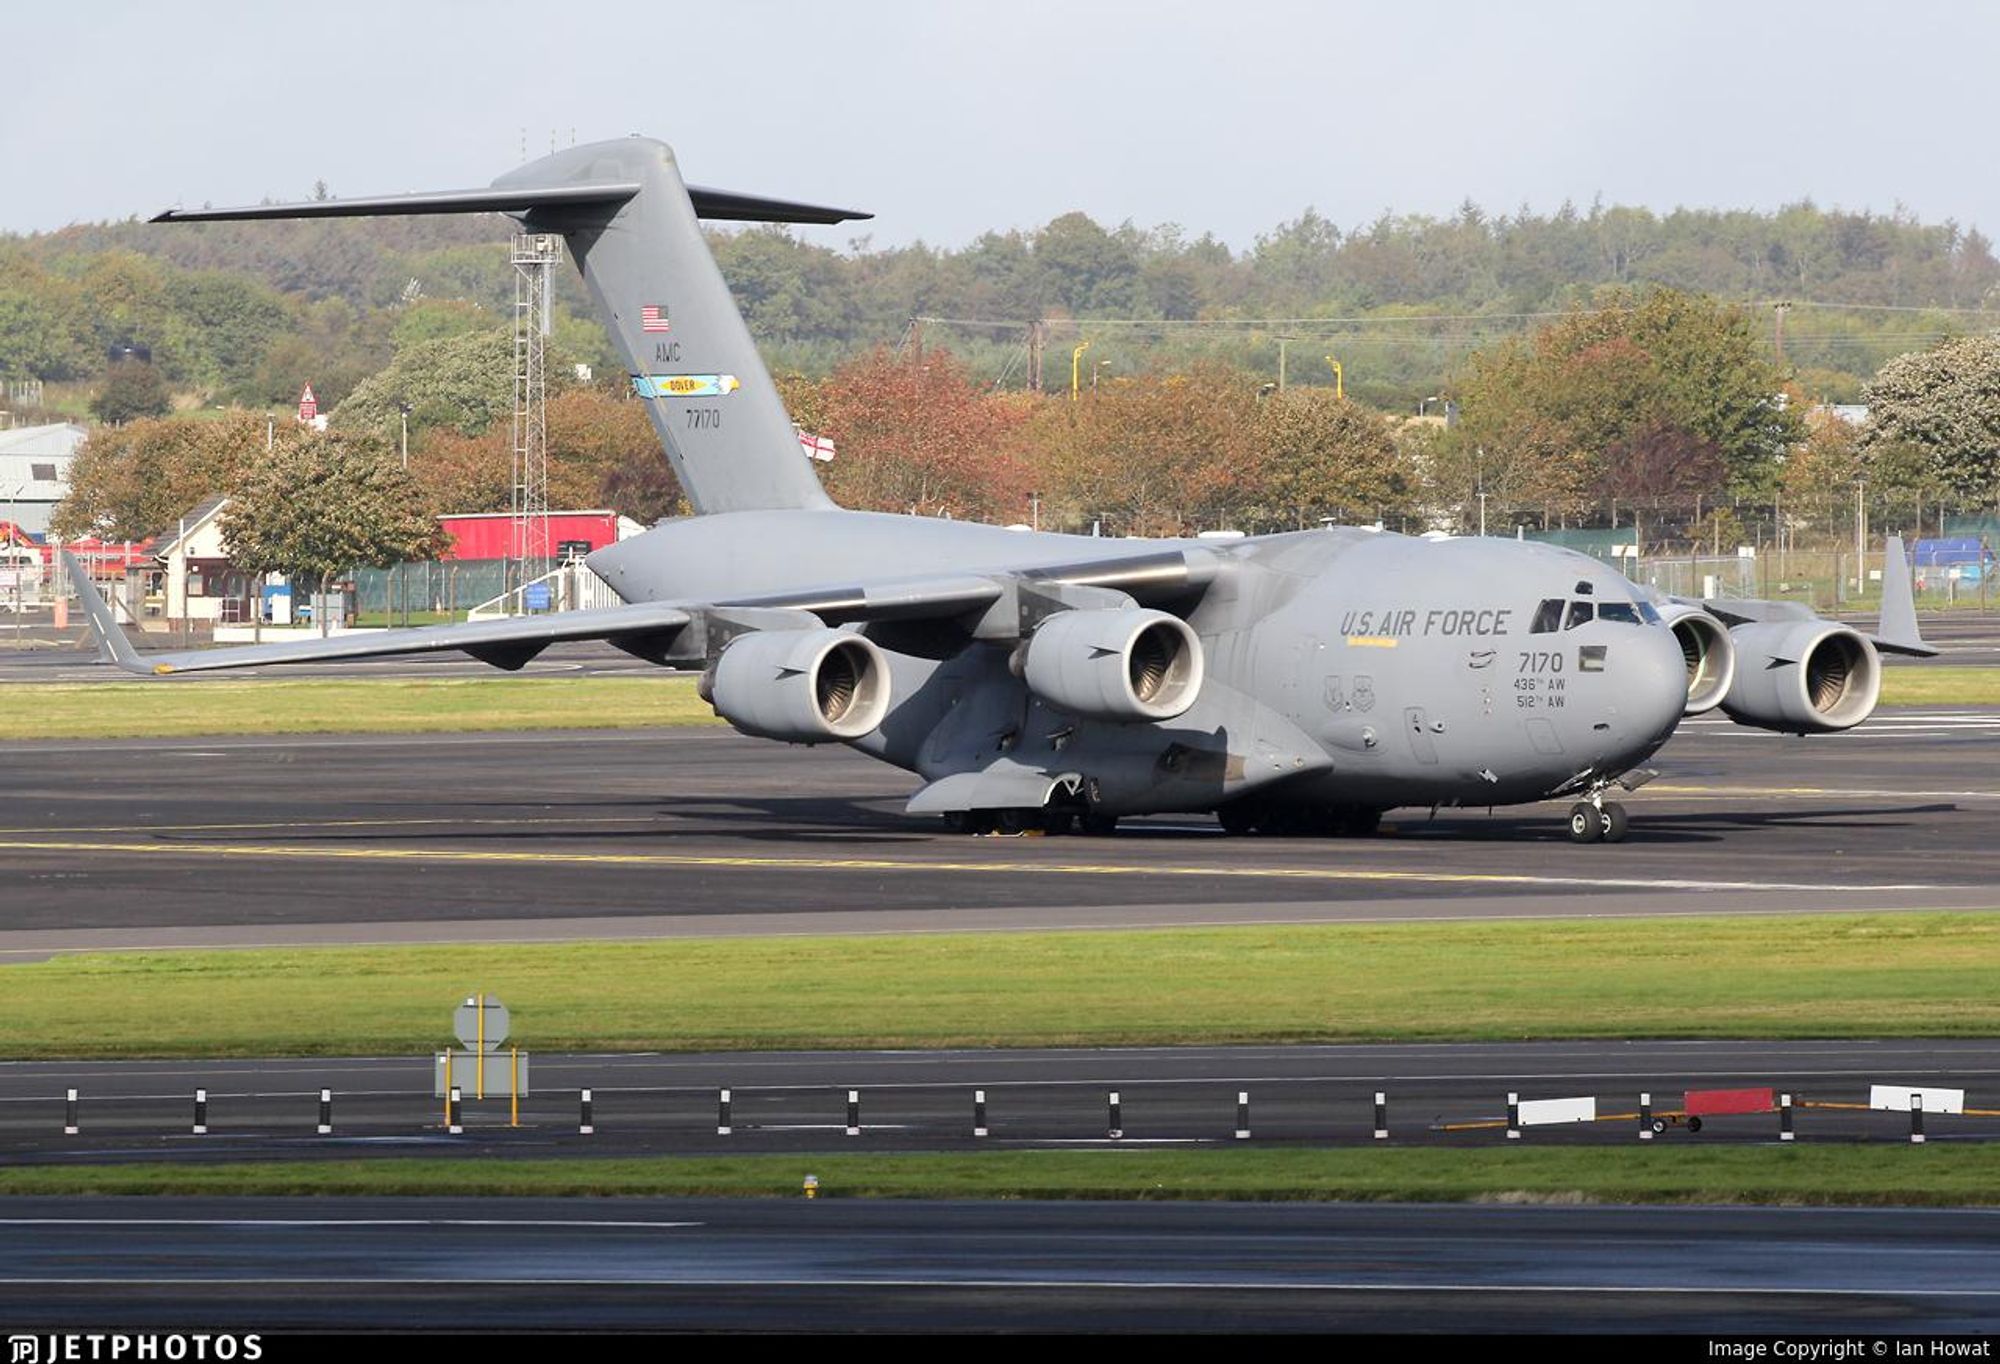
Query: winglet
[(1897, 632), (112, 646)]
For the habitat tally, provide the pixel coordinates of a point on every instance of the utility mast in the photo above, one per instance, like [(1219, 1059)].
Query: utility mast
[(535, 257)]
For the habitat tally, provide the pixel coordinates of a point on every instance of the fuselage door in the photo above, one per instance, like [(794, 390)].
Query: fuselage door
[(1417, 725)]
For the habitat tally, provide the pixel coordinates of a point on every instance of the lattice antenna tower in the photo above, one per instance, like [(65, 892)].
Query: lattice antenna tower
[(535, 257)]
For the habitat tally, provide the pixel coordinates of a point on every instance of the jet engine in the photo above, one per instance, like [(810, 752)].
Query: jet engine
[(1710, 653), (1802, 677), (1124, 665), (802, 686)]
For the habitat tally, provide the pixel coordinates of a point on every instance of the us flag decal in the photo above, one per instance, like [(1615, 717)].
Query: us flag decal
[(653, 318)]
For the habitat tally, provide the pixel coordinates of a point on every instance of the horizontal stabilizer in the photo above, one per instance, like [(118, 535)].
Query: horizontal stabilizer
[(721, 205)]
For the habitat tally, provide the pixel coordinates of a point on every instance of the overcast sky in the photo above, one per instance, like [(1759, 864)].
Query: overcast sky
[(949, 118)]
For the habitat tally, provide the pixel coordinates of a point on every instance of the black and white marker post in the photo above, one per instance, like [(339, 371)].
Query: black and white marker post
[(722, 1113), (1116, 1128), (69, 1114), (1645, 1117), (454, 1113), (1381, 1116), (1242, 1115), (201, 1112), (584, 1126), (853, 1112), (1916, 1120), (326, 1112), (1784, 1117), (1513, 1117), (978, 1112)]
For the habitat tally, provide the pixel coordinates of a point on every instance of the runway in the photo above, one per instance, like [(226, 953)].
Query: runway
[(527, 836), (652, 1104), (269, 1265)]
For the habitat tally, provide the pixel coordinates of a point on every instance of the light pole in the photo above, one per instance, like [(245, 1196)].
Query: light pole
[(403, 570), (1339, 380), (1075, 361)]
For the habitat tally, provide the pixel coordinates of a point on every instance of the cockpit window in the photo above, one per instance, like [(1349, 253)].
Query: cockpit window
[(1627, 612), (1548, 617), (1580, 613)]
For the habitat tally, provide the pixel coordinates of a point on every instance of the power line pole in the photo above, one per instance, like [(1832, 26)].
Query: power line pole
[(1778, 311)]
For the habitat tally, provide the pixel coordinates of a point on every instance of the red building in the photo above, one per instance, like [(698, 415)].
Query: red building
[(572, 534)]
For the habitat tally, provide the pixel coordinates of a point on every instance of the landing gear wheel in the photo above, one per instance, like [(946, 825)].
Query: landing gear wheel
[(1586, 825), (1694, 1124), (1659, 1126), (1056, 823), (1360, 822), (969, 821), (1615, 821), (1015, 821), (1100, 826)]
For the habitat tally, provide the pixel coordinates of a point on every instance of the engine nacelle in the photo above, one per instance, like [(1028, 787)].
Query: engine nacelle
[(1803, 677), (1124, 665), (1710, 653), (802, 686)]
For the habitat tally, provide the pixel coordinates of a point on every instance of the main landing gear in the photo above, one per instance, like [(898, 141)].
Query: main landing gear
[(1013, 823), (1598, 819)]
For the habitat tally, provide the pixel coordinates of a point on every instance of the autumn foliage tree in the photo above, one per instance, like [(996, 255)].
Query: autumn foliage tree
[(915, 435), (1322, 456), (318, 504), (136, 480), (602, 450)]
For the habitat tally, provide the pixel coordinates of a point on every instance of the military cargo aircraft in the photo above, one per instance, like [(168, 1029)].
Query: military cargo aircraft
[(1293, 683)]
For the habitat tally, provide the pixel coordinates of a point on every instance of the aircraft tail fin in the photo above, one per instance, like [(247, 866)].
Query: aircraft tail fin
[(633, 227), (1897, 632)]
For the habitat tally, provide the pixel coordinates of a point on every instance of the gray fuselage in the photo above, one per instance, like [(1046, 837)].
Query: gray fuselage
[(1344, 666)]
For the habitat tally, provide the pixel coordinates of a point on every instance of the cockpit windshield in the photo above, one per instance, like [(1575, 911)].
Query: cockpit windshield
[(1557, 614)]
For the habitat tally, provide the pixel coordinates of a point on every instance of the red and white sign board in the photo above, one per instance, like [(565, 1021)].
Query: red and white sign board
[(818, 448), (308, 405)]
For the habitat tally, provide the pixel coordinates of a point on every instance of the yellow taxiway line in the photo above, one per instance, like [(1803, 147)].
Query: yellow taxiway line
[(490, 857)]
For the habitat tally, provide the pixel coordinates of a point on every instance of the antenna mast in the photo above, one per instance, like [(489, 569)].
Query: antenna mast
[(535, 256)]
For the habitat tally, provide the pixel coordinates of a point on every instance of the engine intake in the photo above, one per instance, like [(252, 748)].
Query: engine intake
[(1126, 665), (802, 686), (1710, 655), (1803, 677)]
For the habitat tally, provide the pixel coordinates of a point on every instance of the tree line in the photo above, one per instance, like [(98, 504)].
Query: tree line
[(1658, 404), (249, 313)]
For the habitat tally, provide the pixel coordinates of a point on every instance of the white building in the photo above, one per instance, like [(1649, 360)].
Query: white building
[(34, 472)]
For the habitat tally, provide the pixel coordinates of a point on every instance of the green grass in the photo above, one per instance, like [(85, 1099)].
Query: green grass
[(1805, 1174), (1940, 685), (180, 708), (1843, 975)]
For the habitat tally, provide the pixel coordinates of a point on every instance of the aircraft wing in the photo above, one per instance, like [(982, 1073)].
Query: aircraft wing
[(1896, 632), (993, 605)]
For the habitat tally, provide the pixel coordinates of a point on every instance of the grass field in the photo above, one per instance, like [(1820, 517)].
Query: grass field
[(1817, 976), (1812, 1174), (1940, 684), (175, 709)]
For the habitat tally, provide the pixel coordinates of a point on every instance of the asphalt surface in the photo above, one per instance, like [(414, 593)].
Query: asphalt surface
[(829, 1265), (639, 833), (646, 1104)]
